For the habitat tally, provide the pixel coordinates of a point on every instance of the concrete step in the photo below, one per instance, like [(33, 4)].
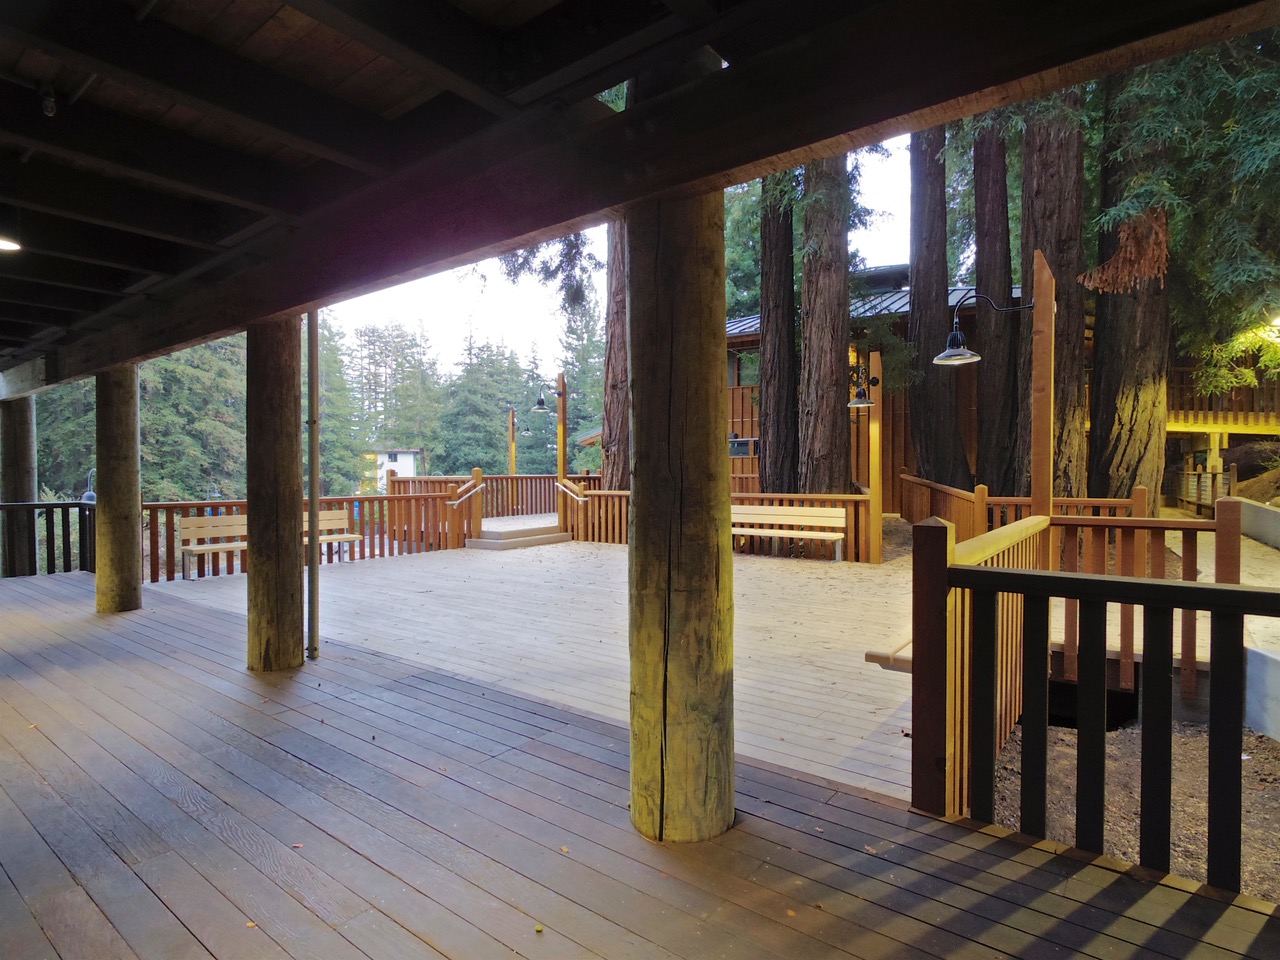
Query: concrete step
[(514, 543), (518, 533)]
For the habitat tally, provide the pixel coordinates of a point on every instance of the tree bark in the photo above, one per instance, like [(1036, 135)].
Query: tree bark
[(273, 474), (935, 428), (824, 362), (1052, 221), (18, 483), (615, 436), (681, 560), (779, 365), (998, 464), (1128, 392), (118, 519)]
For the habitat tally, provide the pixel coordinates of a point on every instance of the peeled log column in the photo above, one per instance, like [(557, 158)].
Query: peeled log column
[(119, 488), (18, 481), (274, 482), (681, 569)]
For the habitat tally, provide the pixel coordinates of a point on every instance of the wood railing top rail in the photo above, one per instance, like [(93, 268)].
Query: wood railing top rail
[(987, 545), (941, 487), (1174, 594), (1137, 523), (41, 504), (1063, 501)]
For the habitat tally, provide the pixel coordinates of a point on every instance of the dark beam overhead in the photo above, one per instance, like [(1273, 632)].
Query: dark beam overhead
[(34, 294), (23, 313), (148, 55), (152, 154), (57, 237), (67, 274), (111, 202), (432, 37)]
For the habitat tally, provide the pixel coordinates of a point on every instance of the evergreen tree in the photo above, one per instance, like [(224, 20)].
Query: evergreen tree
[(583, 362), (742, 249), (342, 438), (66, 416)]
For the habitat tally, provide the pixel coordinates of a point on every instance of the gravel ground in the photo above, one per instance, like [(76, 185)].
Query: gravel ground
[(1261, 802)]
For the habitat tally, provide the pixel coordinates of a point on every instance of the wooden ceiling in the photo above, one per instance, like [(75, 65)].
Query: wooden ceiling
[(181, 168)]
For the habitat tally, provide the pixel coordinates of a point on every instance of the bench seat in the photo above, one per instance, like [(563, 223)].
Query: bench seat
[(829, 524)]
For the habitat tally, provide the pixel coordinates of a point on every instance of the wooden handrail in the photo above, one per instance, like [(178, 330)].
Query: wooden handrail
[(993, 542), (466, 496)]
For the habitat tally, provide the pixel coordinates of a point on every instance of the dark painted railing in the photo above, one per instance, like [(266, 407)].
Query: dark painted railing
[(51, 537), (1227, 606)]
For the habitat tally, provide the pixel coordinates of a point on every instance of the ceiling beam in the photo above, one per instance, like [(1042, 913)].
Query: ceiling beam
[(130, 146), (522, 183), (111, 202), (36, 316), (52, 298), (56, 237), (66, 274), (151, 56), (431, 37)]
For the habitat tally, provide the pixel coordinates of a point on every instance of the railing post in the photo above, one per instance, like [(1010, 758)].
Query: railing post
[(453, 521), (981, 523), (1226, 541), (477, 501), (935, 729)]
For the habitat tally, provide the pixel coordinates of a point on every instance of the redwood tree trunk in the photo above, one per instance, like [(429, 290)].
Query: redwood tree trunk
[(616, 433), (999, 466), (935, 429), (1052, 220), (1128, 399), (824, 364), (779, 365)]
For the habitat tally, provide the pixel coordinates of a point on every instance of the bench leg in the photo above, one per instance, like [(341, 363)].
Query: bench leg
[(186, 566), (839, 551)]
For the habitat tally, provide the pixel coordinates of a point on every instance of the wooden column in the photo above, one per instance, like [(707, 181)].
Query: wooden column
[(119, 488), (18, 483), (681, 561), (511, 442), (1042, 390), (937, 717), (274, 481)]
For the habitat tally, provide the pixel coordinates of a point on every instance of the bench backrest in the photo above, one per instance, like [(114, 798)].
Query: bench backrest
[(817, 517), (227, 526), (330, 520)]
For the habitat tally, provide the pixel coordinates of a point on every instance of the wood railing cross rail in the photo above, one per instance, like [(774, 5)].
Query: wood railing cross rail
[(1227, 606), (48, 530)]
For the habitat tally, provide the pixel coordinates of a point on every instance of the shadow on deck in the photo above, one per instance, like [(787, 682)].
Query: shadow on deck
[(157, 800)]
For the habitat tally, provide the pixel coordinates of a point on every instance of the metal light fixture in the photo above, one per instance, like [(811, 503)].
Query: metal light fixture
[(9, 233), (89, 496), (860, 396), (541, 405), (957, 352)]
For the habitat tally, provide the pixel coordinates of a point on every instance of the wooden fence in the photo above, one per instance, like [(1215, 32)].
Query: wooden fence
[(965, 510), (388, 526), (47, 537), (1200, 489), (1240, 410), (1227, 607), (602, 516), (504, 495)]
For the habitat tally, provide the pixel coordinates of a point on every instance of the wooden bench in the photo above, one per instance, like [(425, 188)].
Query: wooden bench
[(797, 523), (225, 532), (334, 528)]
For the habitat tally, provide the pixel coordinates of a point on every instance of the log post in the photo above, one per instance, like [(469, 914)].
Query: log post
[(936, 715), (118, 540), (18, 483), (477, 502), (1226, 541), (274, 482), (681, 558)]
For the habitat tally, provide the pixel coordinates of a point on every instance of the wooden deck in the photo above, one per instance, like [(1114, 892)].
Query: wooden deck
[(158, 801), (551, 622)]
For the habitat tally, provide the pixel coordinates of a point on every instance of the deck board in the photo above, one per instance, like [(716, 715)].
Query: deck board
[(158, 800)]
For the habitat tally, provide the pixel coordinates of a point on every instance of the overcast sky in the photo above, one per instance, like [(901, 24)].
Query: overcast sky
[(479, 301)]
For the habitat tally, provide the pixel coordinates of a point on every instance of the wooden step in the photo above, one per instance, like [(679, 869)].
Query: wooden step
[(518, 533), (514, 543)]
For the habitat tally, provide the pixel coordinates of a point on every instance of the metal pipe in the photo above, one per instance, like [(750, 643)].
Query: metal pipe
[(313, 493)]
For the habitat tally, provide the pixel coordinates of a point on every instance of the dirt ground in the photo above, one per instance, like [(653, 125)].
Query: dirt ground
[(1261, 800), (1264, 488)]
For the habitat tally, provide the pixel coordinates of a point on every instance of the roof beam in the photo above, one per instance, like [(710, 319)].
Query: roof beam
[(119, 204), (431, 37), (56, 237), (148, 55), (132, 147), (66, 274), (52, 298), (523, 182)]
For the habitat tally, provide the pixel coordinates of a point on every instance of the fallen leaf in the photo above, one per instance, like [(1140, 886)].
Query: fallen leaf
[(564, 849), (297, 846), (538, 928), (790, 912), (819, 830), (250, 924)]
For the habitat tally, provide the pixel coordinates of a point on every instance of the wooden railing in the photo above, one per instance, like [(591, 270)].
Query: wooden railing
[(388, 526), (1239, 408), (1227, 606), (744, 411), (504, 495), (601, 516), (1200, 489), (965, 509), (942, 649), (48, 537)]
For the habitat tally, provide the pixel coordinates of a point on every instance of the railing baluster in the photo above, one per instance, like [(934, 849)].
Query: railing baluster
[(982, 705), (65, 513), (50, 543), (1157, 740), (1035, 713), (1091, 726), (1226, 722)]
